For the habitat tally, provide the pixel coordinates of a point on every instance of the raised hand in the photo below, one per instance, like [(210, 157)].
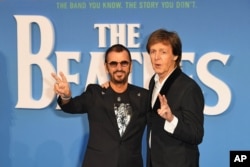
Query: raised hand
[(165, 111), (61, 86)]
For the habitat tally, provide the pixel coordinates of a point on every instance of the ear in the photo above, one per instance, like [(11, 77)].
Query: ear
[(175, 57)]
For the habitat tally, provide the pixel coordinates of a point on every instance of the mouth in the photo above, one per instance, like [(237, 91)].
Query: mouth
[(157, 65), (119, 73), (119, 77)]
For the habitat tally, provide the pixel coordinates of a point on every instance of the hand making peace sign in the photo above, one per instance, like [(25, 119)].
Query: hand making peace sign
[(165, 111), (61, 87)]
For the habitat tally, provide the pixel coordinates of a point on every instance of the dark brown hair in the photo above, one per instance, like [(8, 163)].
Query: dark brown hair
[(169, 38), (117, 48)]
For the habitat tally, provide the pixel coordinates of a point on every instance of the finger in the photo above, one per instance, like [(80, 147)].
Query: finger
[(164, 99), (162, 113), (56, 88), (105, 85), (64, 79), (55, 77), (161, 99)]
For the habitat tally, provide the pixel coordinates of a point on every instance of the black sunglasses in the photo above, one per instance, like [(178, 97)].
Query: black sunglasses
[(115, 63)]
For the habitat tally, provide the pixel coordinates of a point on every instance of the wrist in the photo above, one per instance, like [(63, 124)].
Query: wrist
[(65, 98)]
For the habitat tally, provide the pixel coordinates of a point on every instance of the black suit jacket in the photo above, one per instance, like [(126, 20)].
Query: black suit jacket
[(105, 146), (186, 101)]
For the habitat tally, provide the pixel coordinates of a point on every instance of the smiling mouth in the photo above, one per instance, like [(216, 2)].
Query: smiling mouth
[(119, 72), (119, 75)]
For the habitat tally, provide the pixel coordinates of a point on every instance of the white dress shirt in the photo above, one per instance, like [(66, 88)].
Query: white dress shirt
[(168, 126)]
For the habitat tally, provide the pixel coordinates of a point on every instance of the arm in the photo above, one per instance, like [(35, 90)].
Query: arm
[(186, 123), (190, 117)]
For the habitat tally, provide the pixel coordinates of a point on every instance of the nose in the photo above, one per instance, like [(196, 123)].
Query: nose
[(157, 55), (119, 66)]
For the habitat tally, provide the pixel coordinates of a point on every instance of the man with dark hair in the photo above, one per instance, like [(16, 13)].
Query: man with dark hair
[(116, 114), (176, 122)]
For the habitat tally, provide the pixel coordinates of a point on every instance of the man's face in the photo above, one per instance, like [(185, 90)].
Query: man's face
[(118, 66), (162, 59)]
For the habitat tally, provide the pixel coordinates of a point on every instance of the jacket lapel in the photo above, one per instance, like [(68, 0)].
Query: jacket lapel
[(109, 108), (165, 87)]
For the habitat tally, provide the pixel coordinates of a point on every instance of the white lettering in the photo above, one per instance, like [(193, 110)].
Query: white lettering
[(222, 89), (124, 34), (63, 59), (240, 158), (119, 33), (97, 72), (243, 158), (237, 158), (102, 34), (26, 59), (132, 35)]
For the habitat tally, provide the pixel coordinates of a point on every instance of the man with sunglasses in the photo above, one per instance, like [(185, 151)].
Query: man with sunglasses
[(116, 114)]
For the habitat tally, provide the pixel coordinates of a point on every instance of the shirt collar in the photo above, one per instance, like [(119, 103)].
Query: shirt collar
[(156, 78)]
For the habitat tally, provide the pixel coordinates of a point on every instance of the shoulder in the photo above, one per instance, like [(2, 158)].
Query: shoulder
[(188, 83), (137, 89), (95, 90), (187, 79), (93, 87)]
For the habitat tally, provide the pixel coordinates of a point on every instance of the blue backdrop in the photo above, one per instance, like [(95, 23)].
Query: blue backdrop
[(38, 37)]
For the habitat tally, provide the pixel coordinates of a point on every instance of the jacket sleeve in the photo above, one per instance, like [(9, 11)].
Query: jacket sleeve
[(190, 116), (78, 104)]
